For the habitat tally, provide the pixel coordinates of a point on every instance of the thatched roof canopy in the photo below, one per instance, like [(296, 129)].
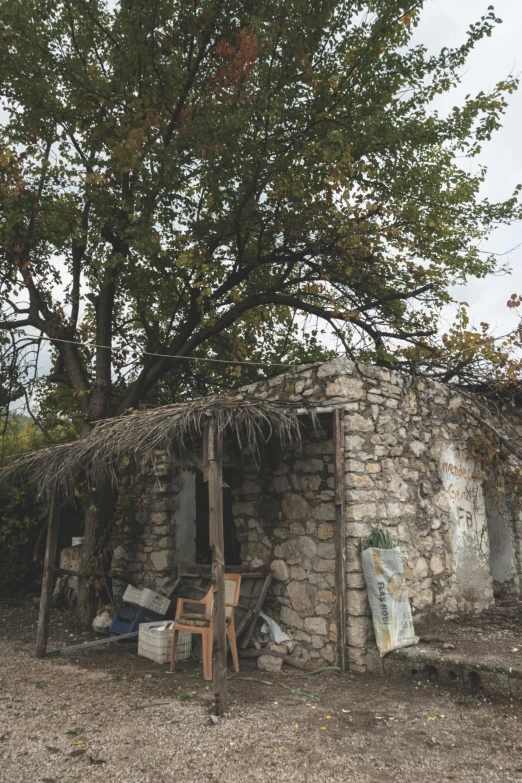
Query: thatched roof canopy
[(137, 436)]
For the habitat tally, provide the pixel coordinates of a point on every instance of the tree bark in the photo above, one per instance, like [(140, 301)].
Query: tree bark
[(100, 507), (215, 498), (47, 579)]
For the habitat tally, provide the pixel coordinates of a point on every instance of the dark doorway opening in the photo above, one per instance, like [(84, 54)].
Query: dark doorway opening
[(232, 545)]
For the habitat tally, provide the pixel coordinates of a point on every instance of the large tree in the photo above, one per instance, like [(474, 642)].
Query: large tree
[(183, 178)]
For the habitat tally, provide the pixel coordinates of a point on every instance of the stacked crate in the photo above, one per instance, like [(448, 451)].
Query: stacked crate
[(138, 606)]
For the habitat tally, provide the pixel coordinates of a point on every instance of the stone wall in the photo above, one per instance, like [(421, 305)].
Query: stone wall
[(284, 513), (406, 467), (150, 506)]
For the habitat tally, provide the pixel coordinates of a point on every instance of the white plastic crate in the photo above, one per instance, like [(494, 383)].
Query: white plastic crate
[(156, 644), (146, 598)]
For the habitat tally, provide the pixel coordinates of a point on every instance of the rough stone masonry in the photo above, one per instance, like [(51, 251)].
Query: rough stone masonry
[(406, 467)]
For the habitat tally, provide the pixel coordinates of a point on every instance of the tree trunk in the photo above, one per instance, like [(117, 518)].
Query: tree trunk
[(100, 508)]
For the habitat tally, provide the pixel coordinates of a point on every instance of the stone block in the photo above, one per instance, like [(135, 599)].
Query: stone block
[(353, 557), (323, 609), (311, 465), (269, 663), (298, 572), (280, 648), (280, 484), (299, 597), (359, 630), (328, 653), (316, 625), (361, 511), (280, 570), (321, 565), (420, 569), (326, 596), (325, 530), (374, 373), (295, 506), (346, 387), (358, 481), (290, 618), (417, 447), (298, 548), (249, 488), (357, 603), (338, 366), (355, 496), (356, 659), (354, 466), (436, 564), (355, 581), (161, 560), (326, 550), (324, 511), (247, 508), (422, 599), (354, 443), (354, 422), (319, 448)]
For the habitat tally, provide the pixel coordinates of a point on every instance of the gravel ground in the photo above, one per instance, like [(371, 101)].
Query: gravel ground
[(107, 715)]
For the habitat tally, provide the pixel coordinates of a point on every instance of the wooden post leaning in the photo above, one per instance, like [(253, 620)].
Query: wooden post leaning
[(47, 579)]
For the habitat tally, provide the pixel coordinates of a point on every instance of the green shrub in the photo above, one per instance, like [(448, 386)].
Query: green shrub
[(377, 539), (21, 518)]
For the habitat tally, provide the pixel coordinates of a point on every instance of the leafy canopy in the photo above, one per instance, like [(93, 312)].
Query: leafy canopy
[(184, 178)]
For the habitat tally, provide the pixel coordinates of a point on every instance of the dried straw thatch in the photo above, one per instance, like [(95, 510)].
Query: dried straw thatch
[(174, 428)]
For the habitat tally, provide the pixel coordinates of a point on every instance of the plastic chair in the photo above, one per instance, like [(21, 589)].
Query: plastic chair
[(232, 590), (201, 623)]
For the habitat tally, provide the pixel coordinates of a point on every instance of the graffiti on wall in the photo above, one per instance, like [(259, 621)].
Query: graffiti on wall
[(465, 504)]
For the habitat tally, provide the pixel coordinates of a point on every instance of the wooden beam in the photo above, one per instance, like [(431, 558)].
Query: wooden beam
[(339, 537), (86, 645), (215, 507), (47, 579), (257, 609)]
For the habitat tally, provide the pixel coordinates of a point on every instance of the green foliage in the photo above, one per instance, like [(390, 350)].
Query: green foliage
[(377, 539), (21, 518), (21, 513), (182, 180)]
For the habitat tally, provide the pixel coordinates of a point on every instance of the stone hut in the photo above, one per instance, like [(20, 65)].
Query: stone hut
[(405, 466)]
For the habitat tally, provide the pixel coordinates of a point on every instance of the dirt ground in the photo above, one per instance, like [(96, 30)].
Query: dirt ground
[(108, 715)]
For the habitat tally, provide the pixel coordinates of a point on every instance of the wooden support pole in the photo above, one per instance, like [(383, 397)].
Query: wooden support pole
[(257, 609), (47, 579), (340, 542), (215, 506)]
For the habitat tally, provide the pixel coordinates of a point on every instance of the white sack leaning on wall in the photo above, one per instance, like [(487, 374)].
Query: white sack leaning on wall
[(388, 596)]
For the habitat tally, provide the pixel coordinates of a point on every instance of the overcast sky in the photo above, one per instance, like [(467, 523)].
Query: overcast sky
[(444, 23)]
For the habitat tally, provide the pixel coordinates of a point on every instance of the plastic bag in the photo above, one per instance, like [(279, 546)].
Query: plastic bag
[(269, 631), (388, 596)]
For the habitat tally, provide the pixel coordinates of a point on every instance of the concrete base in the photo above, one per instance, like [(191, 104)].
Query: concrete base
[(490, 674)]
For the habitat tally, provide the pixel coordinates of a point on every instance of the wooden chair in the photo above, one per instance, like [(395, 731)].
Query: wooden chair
[(201, 623)]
